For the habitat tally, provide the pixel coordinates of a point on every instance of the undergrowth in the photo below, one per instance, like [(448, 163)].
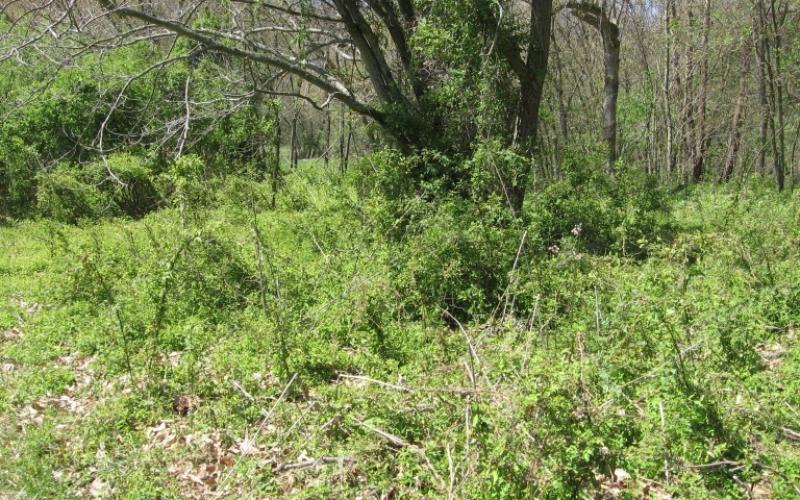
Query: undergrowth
[(614, 341)]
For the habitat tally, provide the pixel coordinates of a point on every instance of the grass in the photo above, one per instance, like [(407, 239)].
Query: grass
[(218, 352)]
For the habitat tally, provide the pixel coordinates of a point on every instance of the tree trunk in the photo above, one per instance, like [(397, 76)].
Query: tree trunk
[(276, 164), (778, 82), (327, 153), (689, 123), (611, 44), (342, 158), (346, 161), (735, 138), (531, 91), (559, 87), (597, 17), (669, 10), (773, 94), (762, 94), (701, 139), (293, 143)]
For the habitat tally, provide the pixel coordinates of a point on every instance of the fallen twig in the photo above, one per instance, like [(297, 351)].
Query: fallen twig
[(720, 464), (236, 385), (304, 464), (791, 434), (401, 443), (401, 388), (267, 417)]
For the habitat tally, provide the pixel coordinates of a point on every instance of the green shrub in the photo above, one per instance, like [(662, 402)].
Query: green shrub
[(17, 175), (397, 177), (456, 256), (598, 213), (66, 195), (121, 185), (185, 181), (453, 236), (494, 170), (128, 182)]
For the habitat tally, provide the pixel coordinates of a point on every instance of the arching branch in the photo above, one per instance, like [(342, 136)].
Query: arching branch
[(313, 74)]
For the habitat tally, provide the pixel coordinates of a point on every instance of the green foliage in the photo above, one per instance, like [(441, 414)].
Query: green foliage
[(120, 185), (18, 162), (593, 212), (495, 171), (62, 116), (456, 256), (129, 183), (456, 239), (65, 195), (593, 369)]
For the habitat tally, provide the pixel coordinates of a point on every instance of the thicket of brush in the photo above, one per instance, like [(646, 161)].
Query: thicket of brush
[(616, 339)]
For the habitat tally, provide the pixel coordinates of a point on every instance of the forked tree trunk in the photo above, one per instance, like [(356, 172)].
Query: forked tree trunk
[(380, 31)]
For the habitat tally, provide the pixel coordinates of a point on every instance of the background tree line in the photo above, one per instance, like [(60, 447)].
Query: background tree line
[(688, 91)]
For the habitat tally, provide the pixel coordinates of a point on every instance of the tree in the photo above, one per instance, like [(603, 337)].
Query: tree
[(379, 58), (605, 19), (769, 20), (735, 137)]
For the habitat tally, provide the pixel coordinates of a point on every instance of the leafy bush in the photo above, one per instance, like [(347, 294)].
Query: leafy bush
[(598, 213), (494, 171), (64, 194), (120, 186), (456, 256), (17, 175), (56, 115), (455, 237), (184, 181), (398, 177), (128, 182)]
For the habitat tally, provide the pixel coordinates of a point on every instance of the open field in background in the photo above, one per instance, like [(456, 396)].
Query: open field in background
[(207, 351)]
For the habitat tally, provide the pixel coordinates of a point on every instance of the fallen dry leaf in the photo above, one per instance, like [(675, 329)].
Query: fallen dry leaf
[(14, 333), (99, 489), (28, 307), (182, 404), (161, 436), (771, 354), (761, 491)]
